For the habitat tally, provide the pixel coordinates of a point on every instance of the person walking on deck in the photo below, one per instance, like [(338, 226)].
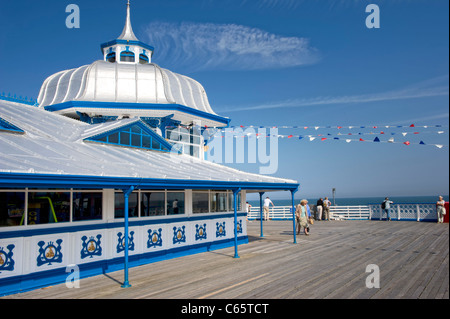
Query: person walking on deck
[(301, 214)]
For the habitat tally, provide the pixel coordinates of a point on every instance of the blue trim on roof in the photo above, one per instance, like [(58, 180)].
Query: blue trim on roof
[(9, 127), (149, 106), (19, 180), (127, 42)]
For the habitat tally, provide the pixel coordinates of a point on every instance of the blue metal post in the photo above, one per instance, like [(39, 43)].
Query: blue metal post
[(293, 214), (126, 194), (235, 193), (261, 211)]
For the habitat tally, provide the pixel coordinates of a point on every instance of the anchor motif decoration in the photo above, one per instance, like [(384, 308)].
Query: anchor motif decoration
[(6, 261), (179, 235), (239, 227), (50, 253), (200, 232), (220, 229), (92, 247), (154, 238), (121, 242)]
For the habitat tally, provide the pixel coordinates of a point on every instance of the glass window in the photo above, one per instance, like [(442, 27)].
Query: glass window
[(124, 138), (153, 204), (136, 140), (50, 207), (119, 205), (12, 209), (218, 201), (87, 206), (175, 203), (111, 57), (127, 56), (231, 201), (200, 202), (143, 59)]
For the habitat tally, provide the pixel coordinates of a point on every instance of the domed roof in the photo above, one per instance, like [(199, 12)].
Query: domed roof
[(103, 81)]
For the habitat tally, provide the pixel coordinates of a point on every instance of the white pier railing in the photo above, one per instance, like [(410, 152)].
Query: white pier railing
[(415, 212), (411, 212), (336, 212)]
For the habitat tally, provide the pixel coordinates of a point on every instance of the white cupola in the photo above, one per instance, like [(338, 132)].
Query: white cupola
[(127, 48)]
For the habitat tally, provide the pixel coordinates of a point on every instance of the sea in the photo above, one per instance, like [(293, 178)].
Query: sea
[(358, 201)]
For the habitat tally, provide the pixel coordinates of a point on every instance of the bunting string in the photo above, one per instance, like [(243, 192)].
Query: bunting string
[(383, 135)]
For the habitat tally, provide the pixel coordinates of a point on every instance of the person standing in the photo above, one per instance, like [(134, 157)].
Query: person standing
[(267, 202), (248, 209), (319, 208), (326, 208), (440, 207), (387, 208), (301, 214)]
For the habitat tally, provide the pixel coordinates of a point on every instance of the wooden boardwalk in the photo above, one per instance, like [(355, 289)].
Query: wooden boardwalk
[(413, 259)]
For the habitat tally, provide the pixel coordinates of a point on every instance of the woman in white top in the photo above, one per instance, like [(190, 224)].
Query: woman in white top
[(440, 207)]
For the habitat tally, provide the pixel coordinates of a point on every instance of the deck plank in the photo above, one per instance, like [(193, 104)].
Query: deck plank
[(413, 259)]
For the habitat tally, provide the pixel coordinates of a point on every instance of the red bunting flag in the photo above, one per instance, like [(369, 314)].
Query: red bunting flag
[(361, 140), (412, 125), (407, 143), (381, 132), (339, 127), (324, 138), (290, 136)]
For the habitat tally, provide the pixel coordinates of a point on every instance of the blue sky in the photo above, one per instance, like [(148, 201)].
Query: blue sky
[(277, 63)]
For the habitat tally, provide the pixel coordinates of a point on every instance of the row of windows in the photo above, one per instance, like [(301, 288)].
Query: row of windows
[(127, 56), (58, 206), (133, 136)]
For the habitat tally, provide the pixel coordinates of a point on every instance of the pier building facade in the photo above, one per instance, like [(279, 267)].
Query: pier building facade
[(90, 178)]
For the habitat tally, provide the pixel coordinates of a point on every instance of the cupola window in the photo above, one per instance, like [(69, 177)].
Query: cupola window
[(143, 59), (111, 57), (127, 56)]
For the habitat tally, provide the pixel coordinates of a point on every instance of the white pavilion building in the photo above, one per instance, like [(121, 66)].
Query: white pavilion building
[(93, 160)]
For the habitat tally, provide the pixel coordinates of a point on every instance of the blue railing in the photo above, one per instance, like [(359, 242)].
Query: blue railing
[(18, 99)]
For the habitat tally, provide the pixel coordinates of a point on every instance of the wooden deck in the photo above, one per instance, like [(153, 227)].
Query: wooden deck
[(413, 259)]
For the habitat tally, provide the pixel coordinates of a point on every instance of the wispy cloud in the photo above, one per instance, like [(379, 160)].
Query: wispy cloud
[(207, 46), (429, 88)]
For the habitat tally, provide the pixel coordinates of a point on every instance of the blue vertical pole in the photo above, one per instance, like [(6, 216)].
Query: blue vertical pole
[(126, 194), (293, 214), (261, 211), (235, 193)]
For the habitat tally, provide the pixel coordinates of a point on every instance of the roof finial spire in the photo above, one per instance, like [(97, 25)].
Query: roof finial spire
[(127, 33)]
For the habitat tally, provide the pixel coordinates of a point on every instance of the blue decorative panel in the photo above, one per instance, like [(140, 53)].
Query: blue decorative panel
[(220, 229), (239, 227), (200, 232), (179, 235), (91, 247), (6, 261), (154, 238), (121, 242), (50, 253)]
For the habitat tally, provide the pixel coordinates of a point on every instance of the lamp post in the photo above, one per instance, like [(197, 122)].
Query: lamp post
[(334, 193)]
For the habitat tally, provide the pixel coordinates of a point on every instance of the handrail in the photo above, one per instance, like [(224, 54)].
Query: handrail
[(415, 212), (336, 212)]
